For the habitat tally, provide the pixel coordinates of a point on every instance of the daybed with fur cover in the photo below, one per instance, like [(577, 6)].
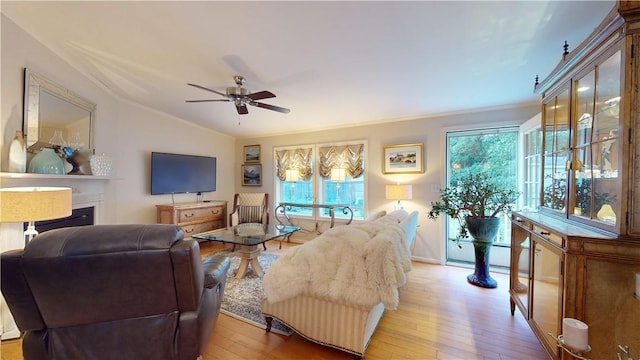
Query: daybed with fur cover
[(334, 289)]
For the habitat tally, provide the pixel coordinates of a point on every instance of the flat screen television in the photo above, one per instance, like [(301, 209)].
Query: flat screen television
[(178, 174)]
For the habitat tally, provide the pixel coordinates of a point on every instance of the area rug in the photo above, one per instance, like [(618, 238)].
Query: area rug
[(242, 298)]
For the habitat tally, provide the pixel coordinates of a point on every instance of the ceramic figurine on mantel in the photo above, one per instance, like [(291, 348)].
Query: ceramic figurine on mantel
[(46, 161), (18, 154)]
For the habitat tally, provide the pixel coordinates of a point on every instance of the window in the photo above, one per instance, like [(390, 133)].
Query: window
[(532, 166), (322, 173)]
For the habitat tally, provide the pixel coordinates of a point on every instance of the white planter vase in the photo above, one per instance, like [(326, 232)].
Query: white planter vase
[(101, 165)]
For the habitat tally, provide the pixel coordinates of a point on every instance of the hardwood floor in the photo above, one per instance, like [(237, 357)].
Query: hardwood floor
[(440, 316)]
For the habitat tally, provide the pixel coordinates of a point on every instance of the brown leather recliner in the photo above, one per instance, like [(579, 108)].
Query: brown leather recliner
[(113, 292)]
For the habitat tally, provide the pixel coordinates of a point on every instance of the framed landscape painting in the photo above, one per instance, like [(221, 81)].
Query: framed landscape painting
[(252, 175), (403, 159), (252, 153)]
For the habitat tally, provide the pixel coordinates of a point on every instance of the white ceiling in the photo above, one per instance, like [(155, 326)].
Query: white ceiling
[(332, 63)]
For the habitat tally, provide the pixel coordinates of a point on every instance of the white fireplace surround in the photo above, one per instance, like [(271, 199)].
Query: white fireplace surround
[(87, 190), (95, 200)]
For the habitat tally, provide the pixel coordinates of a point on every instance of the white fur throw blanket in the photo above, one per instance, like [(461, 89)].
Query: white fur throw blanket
[(361, 264)]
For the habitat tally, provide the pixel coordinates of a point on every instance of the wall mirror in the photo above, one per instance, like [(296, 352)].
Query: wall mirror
[(51, 110)]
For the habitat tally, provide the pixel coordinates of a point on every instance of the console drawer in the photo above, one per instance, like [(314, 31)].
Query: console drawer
[(201, 227), (546, 234), (212, 212)]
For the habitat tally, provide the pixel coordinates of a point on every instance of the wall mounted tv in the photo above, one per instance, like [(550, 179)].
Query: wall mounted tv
[(176, 173)]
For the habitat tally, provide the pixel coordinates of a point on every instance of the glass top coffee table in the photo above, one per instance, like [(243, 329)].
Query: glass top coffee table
[(248, 236)]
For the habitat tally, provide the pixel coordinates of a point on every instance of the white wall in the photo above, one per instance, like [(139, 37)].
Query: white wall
[(126, 131), (429, 243), (130, 132)]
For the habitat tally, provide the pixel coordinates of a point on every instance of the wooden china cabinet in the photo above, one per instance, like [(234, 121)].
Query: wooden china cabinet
[(578, 254)]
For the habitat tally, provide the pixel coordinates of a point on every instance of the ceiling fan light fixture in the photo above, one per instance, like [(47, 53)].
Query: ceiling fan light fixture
[(237, 91), (242, 97)]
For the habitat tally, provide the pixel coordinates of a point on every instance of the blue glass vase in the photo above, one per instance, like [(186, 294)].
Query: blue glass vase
[(46, 162)]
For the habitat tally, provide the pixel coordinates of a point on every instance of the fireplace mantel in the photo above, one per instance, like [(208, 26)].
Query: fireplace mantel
[(87, 190), (9, 175)]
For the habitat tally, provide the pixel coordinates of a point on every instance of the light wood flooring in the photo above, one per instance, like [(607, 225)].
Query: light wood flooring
[(440, 316)]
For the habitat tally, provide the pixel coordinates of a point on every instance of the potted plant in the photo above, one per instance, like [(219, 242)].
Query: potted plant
[(475, 202)]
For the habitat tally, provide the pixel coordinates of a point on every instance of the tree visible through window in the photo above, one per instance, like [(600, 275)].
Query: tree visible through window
[(494, 152)]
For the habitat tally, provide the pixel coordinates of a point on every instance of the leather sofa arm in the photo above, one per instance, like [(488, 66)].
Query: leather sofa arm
[(215, 270), (17, 293)]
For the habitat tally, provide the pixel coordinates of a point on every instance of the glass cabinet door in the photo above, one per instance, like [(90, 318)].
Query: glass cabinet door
[(555, 124), (521, 260), (596, 151), (546, 309)]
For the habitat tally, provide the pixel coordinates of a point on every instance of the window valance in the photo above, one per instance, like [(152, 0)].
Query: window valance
[(299, 159), (348, 157)]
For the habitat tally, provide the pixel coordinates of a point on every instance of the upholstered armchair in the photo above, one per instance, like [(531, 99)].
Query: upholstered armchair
[(250, 208), (113, 292)]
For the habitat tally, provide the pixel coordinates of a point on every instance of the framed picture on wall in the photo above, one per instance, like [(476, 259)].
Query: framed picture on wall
[(403, 159), (252, 153), (251, 175)]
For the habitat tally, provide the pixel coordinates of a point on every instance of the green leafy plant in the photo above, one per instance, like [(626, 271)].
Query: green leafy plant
[(475, 195)]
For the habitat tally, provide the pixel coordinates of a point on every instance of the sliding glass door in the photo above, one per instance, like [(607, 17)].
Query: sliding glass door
[(494, 151)]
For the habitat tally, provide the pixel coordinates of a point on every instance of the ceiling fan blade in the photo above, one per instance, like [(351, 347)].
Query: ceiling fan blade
[(242, 109), (195, 101), (270, 107), (261, 95), (207, 89)]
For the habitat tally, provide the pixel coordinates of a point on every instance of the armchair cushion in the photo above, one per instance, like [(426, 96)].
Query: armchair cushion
[(250, 214)]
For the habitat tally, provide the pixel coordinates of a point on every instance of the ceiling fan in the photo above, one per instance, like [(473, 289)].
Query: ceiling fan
[(242, 97)]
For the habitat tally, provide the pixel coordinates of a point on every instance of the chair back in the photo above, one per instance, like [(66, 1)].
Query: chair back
[(250, 208), (92, 290)]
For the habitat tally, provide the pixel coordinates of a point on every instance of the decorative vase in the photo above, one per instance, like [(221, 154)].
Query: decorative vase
[(46, 162), (101, 165), (18, 154), (57, 139), (483, 231)]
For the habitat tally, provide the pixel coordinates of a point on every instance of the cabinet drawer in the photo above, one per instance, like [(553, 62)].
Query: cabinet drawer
[(524, 223), (213, 212), (202, 227), (553, 237)]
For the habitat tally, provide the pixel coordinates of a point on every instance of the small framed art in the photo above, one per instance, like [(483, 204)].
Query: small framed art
[(403, 159), (251, 174), (252, 153)]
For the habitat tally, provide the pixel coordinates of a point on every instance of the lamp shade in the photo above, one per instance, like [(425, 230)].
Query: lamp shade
[(398, 192), (338, 175), (34, 203), (292, 175)]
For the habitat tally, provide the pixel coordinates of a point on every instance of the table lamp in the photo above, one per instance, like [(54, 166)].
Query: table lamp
[(398, 192), (31, 204), (292, 176), (338, 175)]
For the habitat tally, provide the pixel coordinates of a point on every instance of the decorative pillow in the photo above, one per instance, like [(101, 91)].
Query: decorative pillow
[(410, 226), (250, 214), (398, 214), (388, 219), (376, 215)]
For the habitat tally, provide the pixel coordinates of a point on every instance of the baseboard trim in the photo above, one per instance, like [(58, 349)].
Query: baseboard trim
[(426, 260), (12, 334)]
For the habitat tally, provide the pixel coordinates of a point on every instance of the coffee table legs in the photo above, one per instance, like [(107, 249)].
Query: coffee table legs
[(249, 256)]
